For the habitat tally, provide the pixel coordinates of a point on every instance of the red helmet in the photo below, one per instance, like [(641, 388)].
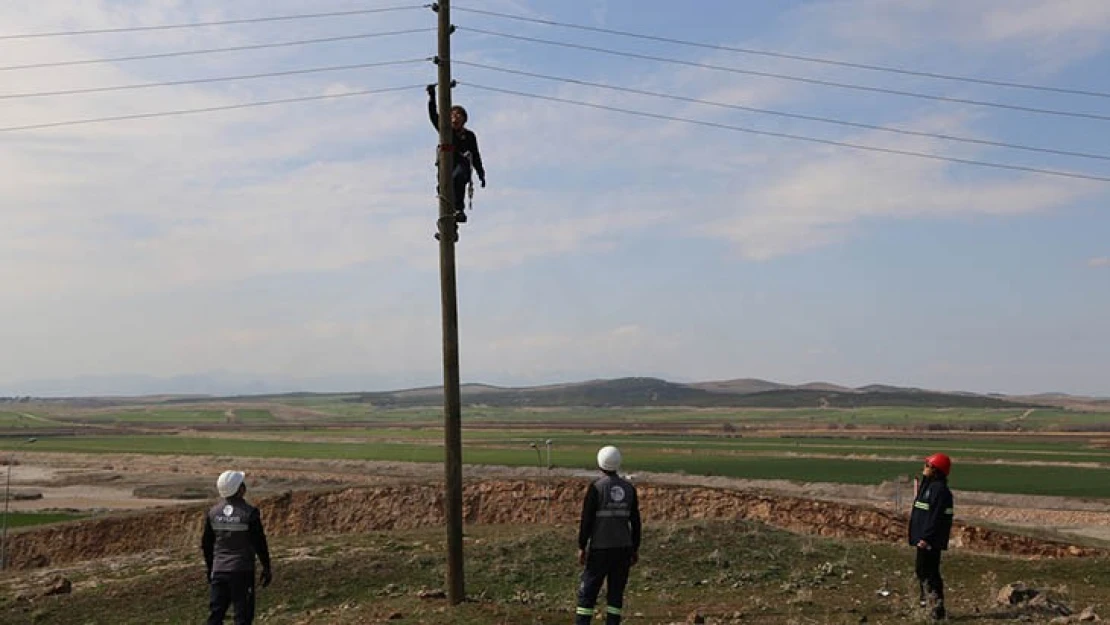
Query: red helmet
[(940, 462)]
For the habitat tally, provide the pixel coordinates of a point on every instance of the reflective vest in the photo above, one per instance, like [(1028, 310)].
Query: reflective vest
[(230, 520), (612, 523)]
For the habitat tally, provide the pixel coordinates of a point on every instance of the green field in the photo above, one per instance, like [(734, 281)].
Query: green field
[(822, 446), (908, 417), (334, 409), (741, 458), (176, 417), (29, 519), (19, 420)]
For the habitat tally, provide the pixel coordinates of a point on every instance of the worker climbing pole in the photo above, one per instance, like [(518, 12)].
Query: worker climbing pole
[(467, 157)]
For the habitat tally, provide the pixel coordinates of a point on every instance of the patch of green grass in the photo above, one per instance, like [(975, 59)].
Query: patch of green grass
[(527, 574), (29, 519), (12, 419), (21, 420), (161, 416), (252, 415)]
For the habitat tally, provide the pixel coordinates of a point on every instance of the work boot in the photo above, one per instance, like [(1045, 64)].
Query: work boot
[(460, 217), (939, 613), (926, 595)]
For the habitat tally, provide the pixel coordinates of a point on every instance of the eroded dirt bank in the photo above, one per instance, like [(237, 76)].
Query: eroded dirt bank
[(494, 501)]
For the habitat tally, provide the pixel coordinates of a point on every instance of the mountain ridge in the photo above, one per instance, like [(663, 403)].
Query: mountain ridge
[(627, 391)]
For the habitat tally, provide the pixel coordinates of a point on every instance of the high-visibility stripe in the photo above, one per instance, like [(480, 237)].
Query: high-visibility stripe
[(230, 527), (948, 511), (921, 505), (613, 513), (611, 610), (584, 611)]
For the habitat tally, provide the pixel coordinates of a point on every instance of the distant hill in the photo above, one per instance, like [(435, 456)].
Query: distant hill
[(811, 398), (744, 386), (886, 388), (1062, 400), (825, 386), (437, 391), (622, 392), (739, 386), (648, 392)]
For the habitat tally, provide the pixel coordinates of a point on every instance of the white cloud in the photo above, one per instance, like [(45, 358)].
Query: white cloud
[(1047, 20), (890, 21), (824, 194), (998, 39), (621, 350), (509, 239), (383, 345)]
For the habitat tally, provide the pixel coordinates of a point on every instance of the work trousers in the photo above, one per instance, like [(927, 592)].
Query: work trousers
[(609, 566), (927, 567), (226, 589)]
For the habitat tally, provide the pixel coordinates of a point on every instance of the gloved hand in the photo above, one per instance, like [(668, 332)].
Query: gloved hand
[(483, 181), (267, 577), (432, 91)]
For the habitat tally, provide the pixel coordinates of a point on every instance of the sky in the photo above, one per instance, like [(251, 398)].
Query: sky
[(289, 247)]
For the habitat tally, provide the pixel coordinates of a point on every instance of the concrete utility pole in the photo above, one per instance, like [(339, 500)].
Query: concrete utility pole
[(452, 401)]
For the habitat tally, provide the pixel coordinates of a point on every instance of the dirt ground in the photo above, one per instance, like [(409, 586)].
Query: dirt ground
[(77, 482)]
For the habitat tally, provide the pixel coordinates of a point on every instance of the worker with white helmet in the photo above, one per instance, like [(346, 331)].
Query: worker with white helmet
[(233, 537), (608, 539)]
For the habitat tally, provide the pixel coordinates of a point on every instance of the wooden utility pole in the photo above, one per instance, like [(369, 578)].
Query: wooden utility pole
[(452, 401)]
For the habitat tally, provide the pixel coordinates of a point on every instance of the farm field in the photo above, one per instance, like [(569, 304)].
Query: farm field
[(1047, 481), (1055, 454), (1005, 471)]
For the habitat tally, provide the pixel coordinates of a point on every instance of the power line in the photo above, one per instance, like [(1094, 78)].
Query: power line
[(815, 118), (195, 81), (796, 57), (259, 46), (209, 109), (248, 20), (783, 135), (812, 81)]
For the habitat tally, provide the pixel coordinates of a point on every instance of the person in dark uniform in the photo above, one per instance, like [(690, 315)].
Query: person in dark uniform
[(233, 537), (608, 539), (930, 527), (467, 156)]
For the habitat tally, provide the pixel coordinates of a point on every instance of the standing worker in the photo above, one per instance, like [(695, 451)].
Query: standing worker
[(930, 527), (233, 536), (608, 539)]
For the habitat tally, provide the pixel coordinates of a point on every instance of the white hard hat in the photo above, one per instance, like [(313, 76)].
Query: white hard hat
[(609, 458), (229, 482)]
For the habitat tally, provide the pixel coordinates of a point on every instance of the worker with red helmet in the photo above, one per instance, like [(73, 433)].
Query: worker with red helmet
[(930, 526)]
